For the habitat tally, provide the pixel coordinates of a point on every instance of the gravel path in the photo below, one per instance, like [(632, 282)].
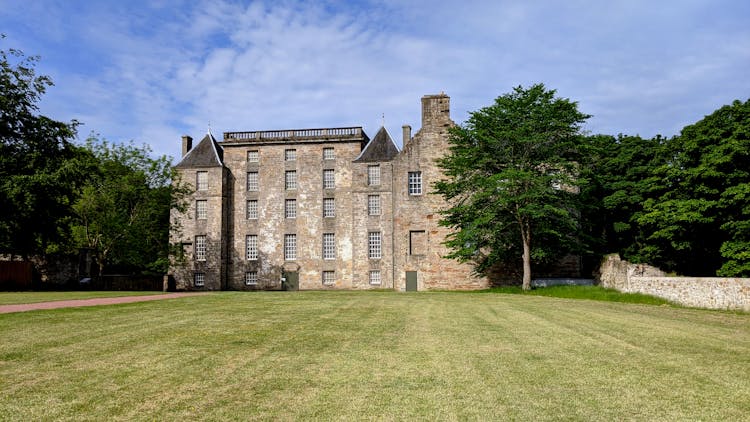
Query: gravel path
[(23, 307)]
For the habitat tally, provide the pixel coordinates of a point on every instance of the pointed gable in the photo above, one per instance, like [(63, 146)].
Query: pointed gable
[(208, 153), (380, 148)]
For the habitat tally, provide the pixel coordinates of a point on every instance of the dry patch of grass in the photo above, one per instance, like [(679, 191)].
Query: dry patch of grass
[(358, 355), (13, 298)]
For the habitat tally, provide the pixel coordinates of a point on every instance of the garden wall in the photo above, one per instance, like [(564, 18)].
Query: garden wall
[(702, 292)]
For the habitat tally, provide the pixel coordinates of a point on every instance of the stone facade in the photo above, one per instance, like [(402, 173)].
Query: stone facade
[(318, 209)]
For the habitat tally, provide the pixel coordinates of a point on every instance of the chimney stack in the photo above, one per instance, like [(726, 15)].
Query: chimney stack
[(406, 134), (436, 112), (187, 144)]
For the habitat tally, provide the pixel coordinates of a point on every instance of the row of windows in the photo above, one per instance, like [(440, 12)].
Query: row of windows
[(290, 208), (253, 156), (290, 180), (251, 278)]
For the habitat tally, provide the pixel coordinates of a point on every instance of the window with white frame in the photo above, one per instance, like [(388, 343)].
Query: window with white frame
[(252, 209), (415, 183), (329, 246), (290, 155), (374, 250), (251, 247), (329, 207), (373, 204), (290, 247), (290, 180), (252, 181), (201, 180), (199, 279), (201, 209), (290, 208), (200, 248), (253, 156), (329, 278), (329, 179), (251, 278), (329, 154), (375, 277), (373, 175)]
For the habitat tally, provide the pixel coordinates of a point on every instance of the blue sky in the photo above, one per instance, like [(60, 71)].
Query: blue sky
[(152, 71)]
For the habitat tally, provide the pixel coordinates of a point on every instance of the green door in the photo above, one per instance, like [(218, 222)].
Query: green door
[(411, 281), (291, 281)]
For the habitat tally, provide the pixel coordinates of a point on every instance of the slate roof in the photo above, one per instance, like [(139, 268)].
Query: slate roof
[(208, 153), (380, 148)]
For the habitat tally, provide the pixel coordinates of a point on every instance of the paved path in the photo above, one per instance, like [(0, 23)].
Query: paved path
[(4, 309)]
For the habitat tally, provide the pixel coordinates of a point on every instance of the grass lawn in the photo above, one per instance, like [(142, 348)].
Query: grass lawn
[(12, 298), (383, 355)]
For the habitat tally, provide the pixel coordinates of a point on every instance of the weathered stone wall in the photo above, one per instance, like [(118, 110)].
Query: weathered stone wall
[(702, 292)]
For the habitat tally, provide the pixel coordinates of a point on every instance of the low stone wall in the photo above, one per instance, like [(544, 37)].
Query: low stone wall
[(701, 292)]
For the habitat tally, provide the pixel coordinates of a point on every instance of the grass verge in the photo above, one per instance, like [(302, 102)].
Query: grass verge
[(584, 292), (13, 298), (381, 355)]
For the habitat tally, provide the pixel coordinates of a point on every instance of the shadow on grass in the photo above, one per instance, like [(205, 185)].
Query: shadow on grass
[(582, 292)]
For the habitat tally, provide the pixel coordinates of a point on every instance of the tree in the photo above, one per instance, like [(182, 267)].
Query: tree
[(39, 168), (511, 180), (123, 213)]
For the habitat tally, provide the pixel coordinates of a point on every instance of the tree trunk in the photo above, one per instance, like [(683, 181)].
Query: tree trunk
[(526, 285)]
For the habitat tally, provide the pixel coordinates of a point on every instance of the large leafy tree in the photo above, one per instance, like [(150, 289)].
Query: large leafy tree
[(123, 213), (40, 170), (511, 178)]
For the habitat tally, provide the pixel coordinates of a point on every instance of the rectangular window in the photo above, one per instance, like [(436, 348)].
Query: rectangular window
[(375, 277), (290, 180), (373, 205), (328, 154), (252, 156), (373, 245), (373, 175), (199, 279), (329, 246), (290, 247), (251, 247), (290, 155), (329, 278), (329, 180), (251, 278), (415, 183), (201, 180), (329, 207), (200, 248), (252, 209), (252, 181), (290, 208), (417, 242), (201, 209)]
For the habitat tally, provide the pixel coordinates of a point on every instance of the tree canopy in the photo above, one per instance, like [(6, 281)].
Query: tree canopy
[(511, 180)]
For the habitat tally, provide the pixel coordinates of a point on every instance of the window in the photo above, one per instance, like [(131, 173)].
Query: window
[(200, 248), (201, 209), (252, 209), (329, 246), (290, 208), (329, 207), (251, 247), (290, 180), (199, 279), (375, 277), (373, 245), (328, 154), (290, 155), (251, 278), (329, 181), (373, 205), (329, 278), (373, 175), (252, 181), (415, 183), (290, 247), (252, 156), (417, 242), (201, 180)]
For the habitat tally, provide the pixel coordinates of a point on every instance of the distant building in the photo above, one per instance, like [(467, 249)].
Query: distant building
[(317, 209)]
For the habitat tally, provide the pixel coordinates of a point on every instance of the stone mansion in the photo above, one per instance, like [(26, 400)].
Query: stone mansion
[(317, 209)]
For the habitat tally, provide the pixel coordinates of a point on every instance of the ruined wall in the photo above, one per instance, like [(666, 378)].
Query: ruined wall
[(701, 292)]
